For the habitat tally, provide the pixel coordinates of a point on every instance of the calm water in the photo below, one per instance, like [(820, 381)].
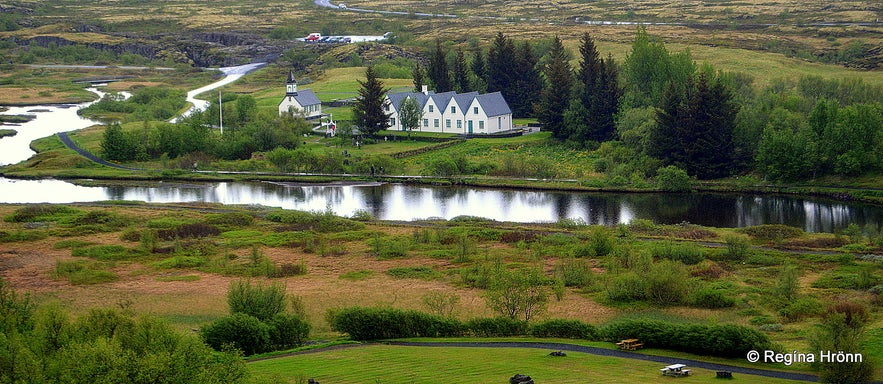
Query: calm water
[(404, 202), (407, 202)]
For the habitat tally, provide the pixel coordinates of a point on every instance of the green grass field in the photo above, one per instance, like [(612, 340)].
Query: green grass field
[(398, 364)]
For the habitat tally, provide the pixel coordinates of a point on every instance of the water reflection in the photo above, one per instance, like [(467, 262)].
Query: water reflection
[(403, 202)]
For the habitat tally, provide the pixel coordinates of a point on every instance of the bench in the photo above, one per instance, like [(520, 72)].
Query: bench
[(724, 375)]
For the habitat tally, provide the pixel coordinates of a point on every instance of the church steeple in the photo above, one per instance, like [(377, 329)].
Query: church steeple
[(291, 85)]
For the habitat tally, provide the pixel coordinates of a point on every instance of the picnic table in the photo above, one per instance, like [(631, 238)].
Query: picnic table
[(630, 344), (676, 370)]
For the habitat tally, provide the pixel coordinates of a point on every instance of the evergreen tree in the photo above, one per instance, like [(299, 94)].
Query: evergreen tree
[(599, 93), (501, 66), (606, 104), (369, 109), (461, 73), (117, 145), (695, 130), (479, 72), (528, 83), (438, 69), (555, 97), (419, 77), (589, 69)]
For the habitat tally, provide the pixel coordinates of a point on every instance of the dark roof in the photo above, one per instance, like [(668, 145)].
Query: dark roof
[(464, 99), (291, 79), (397, 98), (494, 104), (305, 97)]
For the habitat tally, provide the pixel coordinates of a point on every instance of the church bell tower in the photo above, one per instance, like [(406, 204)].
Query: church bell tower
[(291, 85)]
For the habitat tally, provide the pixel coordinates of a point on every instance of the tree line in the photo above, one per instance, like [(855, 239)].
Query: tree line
[(659, 108)]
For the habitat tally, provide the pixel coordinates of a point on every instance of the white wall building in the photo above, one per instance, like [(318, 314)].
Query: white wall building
[(297, 102), (452, 112)]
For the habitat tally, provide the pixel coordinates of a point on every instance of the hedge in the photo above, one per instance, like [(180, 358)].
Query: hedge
[(363, 323), (725, 340), (565, 329)]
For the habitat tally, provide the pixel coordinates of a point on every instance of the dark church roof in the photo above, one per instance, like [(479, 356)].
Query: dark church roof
[(305, 97)]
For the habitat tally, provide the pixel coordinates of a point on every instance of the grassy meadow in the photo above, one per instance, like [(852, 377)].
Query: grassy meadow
[(177, 261), (397, 364)]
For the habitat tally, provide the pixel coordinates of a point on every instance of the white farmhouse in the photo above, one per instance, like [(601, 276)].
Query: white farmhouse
[(452, 112), (299, 102)]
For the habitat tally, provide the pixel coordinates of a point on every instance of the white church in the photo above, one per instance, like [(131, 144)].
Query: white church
[(452, 112), (299, 102)]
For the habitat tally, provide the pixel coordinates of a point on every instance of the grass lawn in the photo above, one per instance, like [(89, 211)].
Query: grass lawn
[(398, 364)]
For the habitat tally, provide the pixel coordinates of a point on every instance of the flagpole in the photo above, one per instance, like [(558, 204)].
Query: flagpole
[(221, 113)]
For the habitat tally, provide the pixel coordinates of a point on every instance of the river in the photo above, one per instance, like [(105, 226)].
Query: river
[(410, 202)]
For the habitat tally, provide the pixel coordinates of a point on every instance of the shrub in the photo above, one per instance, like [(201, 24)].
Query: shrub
[(738, 247), (104, 218), (189, 231), (601, 242), (316, 221), (390, 247), (772, 327), (687, 253), (366, 323), (496, 327), (106, 252), (241, 331), (667, 283), (574, 272), (289, 269), (673, 179), (710, 297), (81, 272), (39, 212), (287, 331), (565, 329), (801, 308), (259, 301), (773, 232), (727, 340), (441, 303), (19, 236), (627, 287)]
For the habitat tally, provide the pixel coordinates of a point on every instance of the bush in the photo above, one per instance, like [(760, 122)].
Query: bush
[(241, 331), (565, 329), (773, 232), (626, 288), (106, 252), (82, 272), (231, 219), (287, 331), (667, 283), (686, 253), (710, 297), (738, 247), (259, 301), (574, 272), (39, 212), (424, 273), (801, 308), (18, 236), (188, 231), (673, 179), (725, 340), (315, 221), (496, 327), (601, 242), (366, 323)]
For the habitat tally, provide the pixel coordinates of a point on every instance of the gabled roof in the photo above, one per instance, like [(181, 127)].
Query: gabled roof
[(396, 99), (493, 104), (305, 97), (464, 99), (442, 100)]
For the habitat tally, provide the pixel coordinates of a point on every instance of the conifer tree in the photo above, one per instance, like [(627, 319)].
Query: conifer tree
[(438, 69), (528, 84), (461, 73), (555, 97), (501, 66), (479, 72), (369, 109), (419, 77)]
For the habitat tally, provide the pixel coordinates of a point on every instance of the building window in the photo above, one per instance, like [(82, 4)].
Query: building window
[(453, 109), (500, 122), (447, 123), (430, 109), (392, 121), (459, 124), (435, 123), (475, 110), (481, 124), (425, 122), (387, 107)]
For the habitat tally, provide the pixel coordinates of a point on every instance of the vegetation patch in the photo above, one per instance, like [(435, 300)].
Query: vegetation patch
[(422, 273), (357, 275), (82, 272), (107, 252)]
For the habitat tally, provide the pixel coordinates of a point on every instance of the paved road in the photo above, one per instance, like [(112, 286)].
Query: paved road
[(70, 144)]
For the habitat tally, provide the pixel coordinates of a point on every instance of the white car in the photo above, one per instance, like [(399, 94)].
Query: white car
[(341, 6)]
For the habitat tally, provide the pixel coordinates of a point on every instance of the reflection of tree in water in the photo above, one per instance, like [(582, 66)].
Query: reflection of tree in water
[(374, 198), (561, 205)]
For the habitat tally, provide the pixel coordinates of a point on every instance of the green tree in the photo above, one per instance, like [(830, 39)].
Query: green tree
[(649, 68), (840, 333), (479, 72), (438, 69), (555, 96), (461, 73), (501, 67), (598, 90), (788, 149), (695, 131), (368, 110), (246, 108), (528, 83), (410, 113), (262, 302), (117, 145), (419, 77), (518, 294)]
